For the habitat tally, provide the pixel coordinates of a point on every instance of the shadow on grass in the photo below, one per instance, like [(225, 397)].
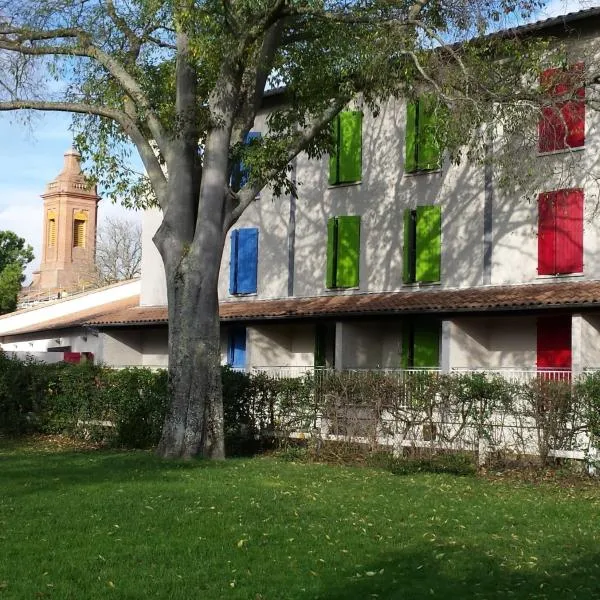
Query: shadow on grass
[(420, 575), (51, 470)]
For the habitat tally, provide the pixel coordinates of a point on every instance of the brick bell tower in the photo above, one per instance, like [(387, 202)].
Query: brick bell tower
[(69, 229)]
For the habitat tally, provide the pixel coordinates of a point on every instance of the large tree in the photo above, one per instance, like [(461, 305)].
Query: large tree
[(184, 80), (15, 255)]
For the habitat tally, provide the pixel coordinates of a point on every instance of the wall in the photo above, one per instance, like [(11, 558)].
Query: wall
[(155, 347), (590, 348), (493, 343), (48, 311), (122, 347), (369, 344), (281, 345), (78, 339)]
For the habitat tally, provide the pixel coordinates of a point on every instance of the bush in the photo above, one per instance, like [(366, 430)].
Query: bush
[(349, 416), (24, 390), (455, 463)]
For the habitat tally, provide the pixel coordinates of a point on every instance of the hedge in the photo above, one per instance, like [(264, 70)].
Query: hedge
[(440, 411)]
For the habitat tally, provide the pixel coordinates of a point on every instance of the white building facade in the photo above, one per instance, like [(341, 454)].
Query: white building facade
[(390, 256)]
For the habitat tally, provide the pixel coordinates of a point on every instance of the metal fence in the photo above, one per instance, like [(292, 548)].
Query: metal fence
[(416, 408)]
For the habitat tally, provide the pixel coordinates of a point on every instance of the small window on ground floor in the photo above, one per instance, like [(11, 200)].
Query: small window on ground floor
[(554, 343), (236, 348), (421, 344)]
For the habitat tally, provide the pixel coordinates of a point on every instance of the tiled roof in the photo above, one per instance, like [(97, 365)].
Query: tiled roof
[(80, 318), (542, 24), (566, 294)]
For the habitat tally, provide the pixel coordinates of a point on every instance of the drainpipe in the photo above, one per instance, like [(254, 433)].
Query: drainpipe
[(292, 231), (488, 207)]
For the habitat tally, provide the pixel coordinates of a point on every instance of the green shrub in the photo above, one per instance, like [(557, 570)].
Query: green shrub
[(455, 463), (139, 398)]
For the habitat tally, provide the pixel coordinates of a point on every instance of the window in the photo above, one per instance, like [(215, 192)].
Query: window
[(562, 124), (423, 147), (560, 232), (422, 244), (240, 173), (324, 345), (51, 228), (343, 252), (345, 162), (236, 348), (420, 344), (244, 261), (554, 343), (79, 229)]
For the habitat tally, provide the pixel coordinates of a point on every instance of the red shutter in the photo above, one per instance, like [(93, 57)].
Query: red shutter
[(551, 130), (573, 111), (546, 234), (554, 343), (562, 124), (72, 357), (569, 231)]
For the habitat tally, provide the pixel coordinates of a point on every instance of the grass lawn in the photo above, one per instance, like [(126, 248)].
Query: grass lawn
[(87, 525)]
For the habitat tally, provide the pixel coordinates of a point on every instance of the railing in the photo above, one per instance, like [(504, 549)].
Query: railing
[(521, 375), (508, 373)]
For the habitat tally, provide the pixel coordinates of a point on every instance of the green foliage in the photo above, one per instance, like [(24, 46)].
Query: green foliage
[(124, 407), (455, 463), (24, 387), (344, 417), (14, 250), (15, 254), (587, 390)]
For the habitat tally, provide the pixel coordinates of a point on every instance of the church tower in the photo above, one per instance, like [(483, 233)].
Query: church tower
[(69, 229)]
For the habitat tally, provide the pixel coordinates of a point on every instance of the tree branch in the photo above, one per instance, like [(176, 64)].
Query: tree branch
[(86, 49), (146, 151), (302, 139)]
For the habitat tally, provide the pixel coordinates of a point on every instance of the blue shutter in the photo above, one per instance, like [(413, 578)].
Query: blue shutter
[(236, 352), (247, 261), (233, 262), (244, 172)]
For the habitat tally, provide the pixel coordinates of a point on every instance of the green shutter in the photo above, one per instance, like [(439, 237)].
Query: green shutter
[(427, 345), (331, 253), (408, 274), (429, 146), (428, 243), (410, 159), (333, 157), (350, 163), (348, 252)]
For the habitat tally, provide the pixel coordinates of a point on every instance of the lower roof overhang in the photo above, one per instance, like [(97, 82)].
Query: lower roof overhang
[(539, 297)]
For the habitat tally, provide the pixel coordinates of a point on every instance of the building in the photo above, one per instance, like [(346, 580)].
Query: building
[(57, 305), (392, 257), (69, 233)]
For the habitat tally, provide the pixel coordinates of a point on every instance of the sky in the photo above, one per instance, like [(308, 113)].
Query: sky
[(31, 155)]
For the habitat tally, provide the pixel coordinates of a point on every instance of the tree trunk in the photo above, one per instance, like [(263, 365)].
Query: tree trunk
[(194, 421)]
